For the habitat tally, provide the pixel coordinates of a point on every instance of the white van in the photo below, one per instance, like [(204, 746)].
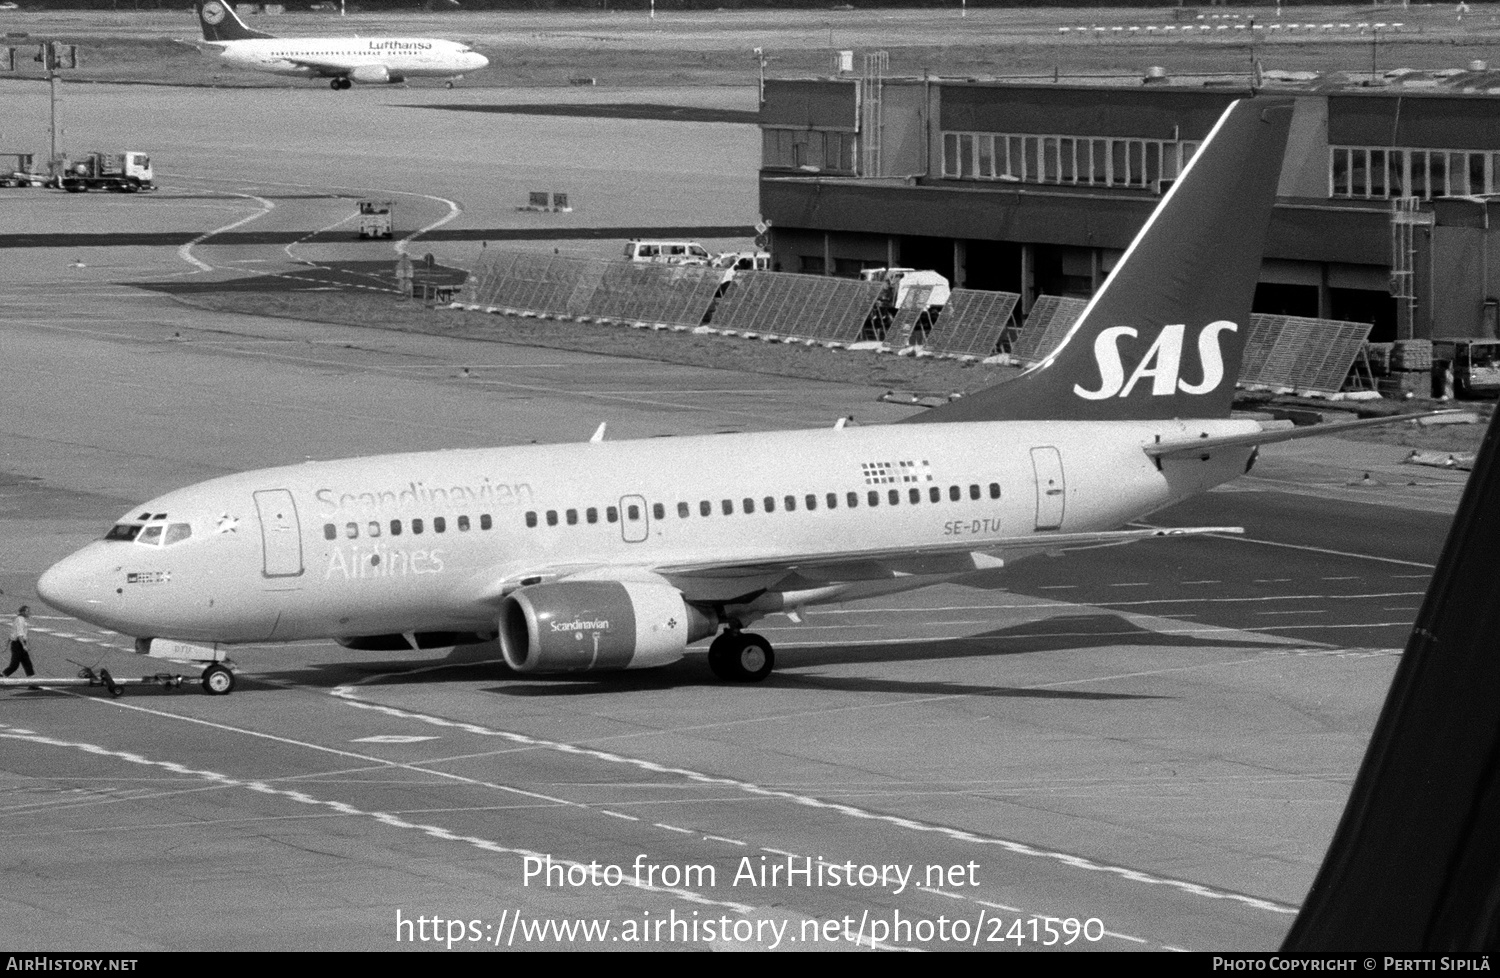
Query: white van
[(667, 252)]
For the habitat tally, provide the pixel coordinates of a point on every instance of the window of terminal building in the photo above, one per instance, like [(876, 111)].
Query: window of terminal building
[(1064, 159), (811, 149), (1382, 173)]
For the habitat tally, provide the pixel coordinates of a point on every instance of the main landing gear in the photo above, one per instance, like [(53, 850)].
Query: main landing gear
[(339, 84), (740, 657)]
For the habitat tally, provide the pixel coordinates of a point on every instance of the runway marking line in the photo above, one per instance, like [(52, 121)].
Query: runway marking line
[(343, 808), (346, 694)]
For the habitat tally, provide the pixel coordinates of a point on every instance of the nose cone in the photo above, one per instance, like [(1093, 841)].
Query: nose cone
[(75, 586), (477, 61)]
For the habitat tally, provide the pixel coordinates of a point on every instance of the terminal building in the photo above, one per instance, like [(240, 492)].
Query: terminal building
[(1388, 210)]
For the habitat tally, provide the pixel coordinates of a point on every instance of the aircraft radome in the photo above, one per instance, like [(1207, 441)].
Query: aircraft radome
[(342, 60), (618, 555)]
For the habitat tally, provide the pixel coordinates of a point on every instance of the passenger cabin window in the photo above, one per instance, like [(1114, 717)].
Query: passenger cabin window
[(954, 493), (658, 511), (463, 524), (591, 514), (791, 503), (551, 517), (395, 528), (811, 500), (894, 496), (749, 505), (351, 530), (994, 490), (439, 524), (873, 497), (572, 517), (611, 514), (684, 511), (916, 495), (416, 526), (728, 507), (330, 532), (531, 519), (484, 521), (374, 528), (935, 494), (770, 504), (705, 508)]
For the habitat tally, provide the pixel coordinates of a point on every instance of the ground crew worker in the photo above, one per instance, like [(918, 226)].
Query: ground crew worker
[(20, 644)]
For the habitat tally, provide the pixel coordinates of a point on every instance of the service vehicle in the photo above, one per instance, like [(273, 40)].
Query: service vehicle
[(375, 219), (1475, 364), (902, 284), (19, 170), (667, 252), (126, 172)]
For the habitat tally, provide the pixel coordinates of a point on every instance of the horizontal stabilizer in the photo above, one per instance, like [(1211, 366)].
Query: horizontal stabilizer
[(1195, 446)]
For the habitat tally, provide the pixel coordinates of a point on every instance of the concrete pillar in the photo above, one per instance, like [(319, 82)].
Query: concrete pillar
[(960, 263), (1028, 272)]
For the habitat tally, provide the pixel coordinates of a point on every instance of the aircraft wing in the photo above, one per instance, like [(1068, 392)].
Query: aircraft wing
[(1030, 543), (711, 580), (1189, 447), (332, 68)]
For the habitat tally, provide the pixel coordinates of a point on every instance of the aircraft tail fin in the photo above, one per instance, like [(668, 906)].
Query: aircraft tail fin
[(1163, 336), (221, 23)]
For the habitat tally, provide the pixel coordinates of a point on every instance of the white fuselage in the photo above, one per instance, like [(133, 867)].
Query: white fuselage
[(401, 57), (432, 541)]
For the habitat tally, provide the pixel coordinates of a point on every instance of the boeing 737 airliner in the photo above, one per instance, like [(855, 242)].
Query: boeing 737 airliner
[(610, 555), (342, 60)]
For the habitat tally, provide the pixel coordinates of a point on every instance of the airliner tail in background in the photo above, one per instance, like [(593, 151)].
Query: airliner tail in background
[(220, 22)]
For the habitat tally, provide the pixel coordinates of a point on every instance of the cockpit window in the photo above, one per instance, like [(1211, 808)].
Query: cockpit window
[(155, 533), (123, 531)]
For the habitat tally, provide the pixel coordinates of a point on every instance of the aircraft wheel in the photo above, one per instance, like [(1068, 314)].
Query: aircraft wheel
[(721, 656), (741, 657), (753, 659), (217, 681), (336, 84)]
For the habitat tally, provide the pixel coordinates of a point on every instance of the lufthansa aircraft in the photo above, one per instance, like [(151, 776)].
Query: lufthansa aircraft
[(618, 555), (342, 60)]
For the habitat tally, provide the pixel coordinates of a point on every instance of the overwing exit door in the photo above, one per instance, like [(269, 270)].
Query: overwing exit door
[(635, 526)]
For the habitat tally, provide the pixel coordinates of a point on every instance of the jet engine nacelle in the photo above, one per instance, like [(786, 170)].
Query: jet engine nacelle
[(576, 626), (375, 75)]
